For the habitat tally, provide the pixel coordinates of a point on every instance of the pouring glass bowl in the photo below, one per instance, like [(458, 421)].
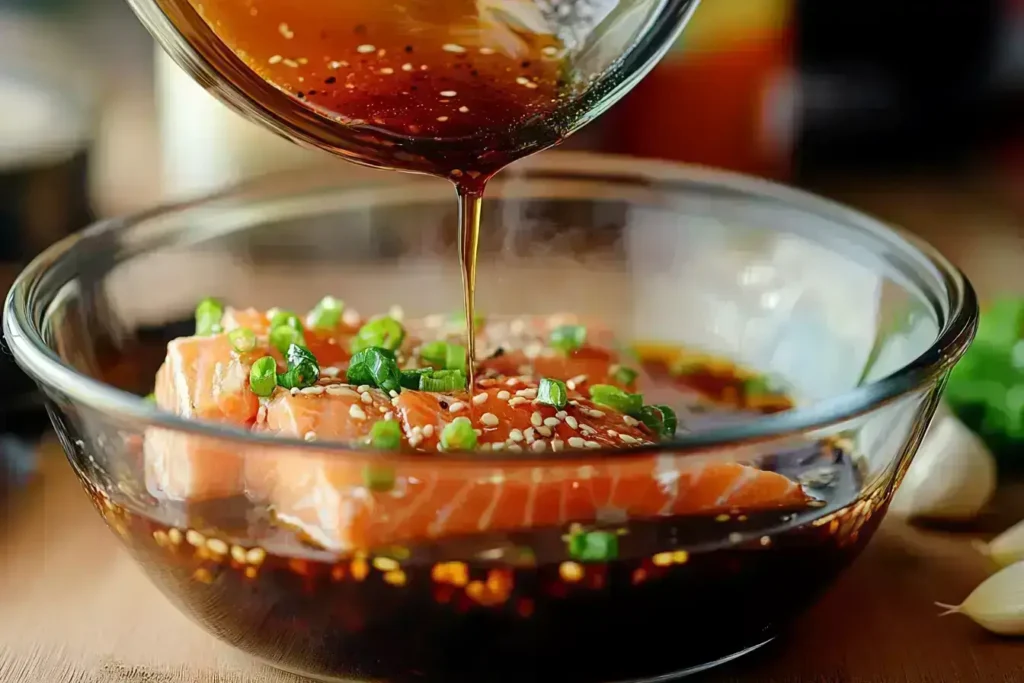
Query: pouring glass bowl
[(861, 321)]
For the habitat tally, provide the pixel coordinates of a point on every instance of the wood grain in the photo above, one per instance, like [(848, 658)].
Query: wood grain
[(75, 609)]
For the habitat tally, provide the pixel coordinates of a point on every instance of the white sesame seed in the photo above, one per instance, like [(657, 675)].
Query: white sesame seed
[(530, 434), (539, 446), (337, 65), (571, 421), (393, 394), (626, 438), (486, 51), (195, 538), (448, 93), (463, 109), (255, 556), (387, 71), (452, 47), (550, 51), (341, 391), (291, 63), (489, 420), (536, 419), (579, 379), (313, 391), (389, 415), (330, 372), (587, 429), (612, 433), (544, 431), (522, 81), (442, 119), (415, 440), (363, 388), (630, 421), (294, 391), (356, 413), (407, 67), (497, 446), (570, 385), (365, 397), (238, 554), (503, 395), (515, 448), (594, 413), (309, 436), (527, 393), (394, 401), (217, 546), (561, 414), (591, 444), (557, 445), (428, 430), (276, 59), (512, 382), (417, 430), (480, 399), (366, 49), (285, 31), (515, 435), (576, 442), (478, 432), (516, 401), (456, 407), (552, 421)]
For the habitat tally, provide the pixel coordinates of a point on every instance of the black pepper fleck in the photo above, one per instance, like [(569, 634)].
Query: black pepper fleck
[(330, 80)]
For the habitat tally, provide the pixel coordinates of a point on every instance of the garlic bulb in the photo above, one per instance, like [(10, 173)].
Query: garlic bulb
[(997, 604), (1007, 547), (952, 477)]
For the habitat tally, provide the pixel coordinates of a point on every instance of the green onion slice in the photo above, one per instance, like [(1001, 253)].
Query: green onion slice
[(383, 332), (671, 424), (285, 336), (263, 376), (377, 367), (209, 313), (303, 369), (411, 378), (386, 435), (286, 319), (443, 381), (377, 478), (624, 376), (654, 419), (553, 393), (326, 314), (594, 546), (151, 398), (617, 399), (455, 357), (458, 435), (242, 339), (435, 353), (568, 338)]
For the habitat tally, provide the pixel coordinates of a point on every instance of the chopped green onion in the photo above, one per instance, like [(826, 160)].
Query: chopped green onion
[(594, 546), (443, 381), (435, 353), (568, 338), (617, 399), (242, 339), (459, 318), (326, 314), (303, 369), (285, 318), (384, 332), (671, 421), (378, 479), (654, 419), (759, 386), (386, 435), (151, 398), (263, 376), (285, 336), (553, 393), (455, 357), (377, 367), (623, 375), (458, 435), (411, 378), (209, 313)]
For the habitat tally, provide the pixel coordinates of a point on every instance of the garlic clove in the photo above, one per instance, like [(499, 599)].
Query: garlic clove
[(1006, 548), (997, 605), (952, 477)]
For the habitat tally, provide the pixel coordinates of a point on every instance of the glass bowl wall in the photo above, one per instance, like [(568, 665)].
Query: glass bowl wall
[(861, 322)]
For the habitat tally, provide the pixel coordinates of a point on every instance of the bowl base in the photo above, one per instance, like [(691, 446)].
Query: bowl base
[(662, 678)]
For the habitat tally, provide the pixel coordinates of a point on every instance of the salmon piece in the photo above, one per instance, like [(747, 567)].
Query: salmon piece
[(200, 379), (303, 488), (587, 365), (329, 502)]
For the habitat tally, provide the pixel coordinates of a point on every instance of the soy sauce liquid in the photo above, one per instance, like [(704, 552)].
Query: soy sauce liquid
[(442, 88)]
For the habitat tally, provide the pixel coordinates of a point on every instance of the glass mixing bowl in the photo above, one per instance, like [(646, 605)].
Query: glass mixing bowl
[(861, 322)]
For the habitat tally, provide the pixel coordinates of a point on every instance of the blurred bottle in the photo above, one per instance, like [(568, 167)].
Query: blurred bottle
[(206, 147), (722, 97)]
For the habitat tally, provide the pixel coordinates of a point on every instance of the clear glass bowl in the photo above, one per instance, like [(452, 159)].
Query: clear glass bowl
[(860, 321)]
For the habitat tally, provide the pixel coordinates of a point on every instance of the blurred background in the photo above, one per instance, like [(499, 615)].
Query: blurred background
[(912, 110)]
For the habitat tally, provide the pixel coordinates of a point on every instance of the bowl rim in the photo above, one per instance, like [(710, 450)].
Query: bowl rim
[(42, 363)]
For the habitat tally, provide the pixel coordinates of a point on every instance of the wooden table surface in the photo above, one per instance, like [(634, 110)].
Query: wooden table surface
[(74, 608)]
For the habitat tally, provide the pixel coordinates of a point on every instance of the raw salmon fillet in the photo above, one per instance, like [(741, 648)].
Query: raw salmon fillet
[(200, 379)]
